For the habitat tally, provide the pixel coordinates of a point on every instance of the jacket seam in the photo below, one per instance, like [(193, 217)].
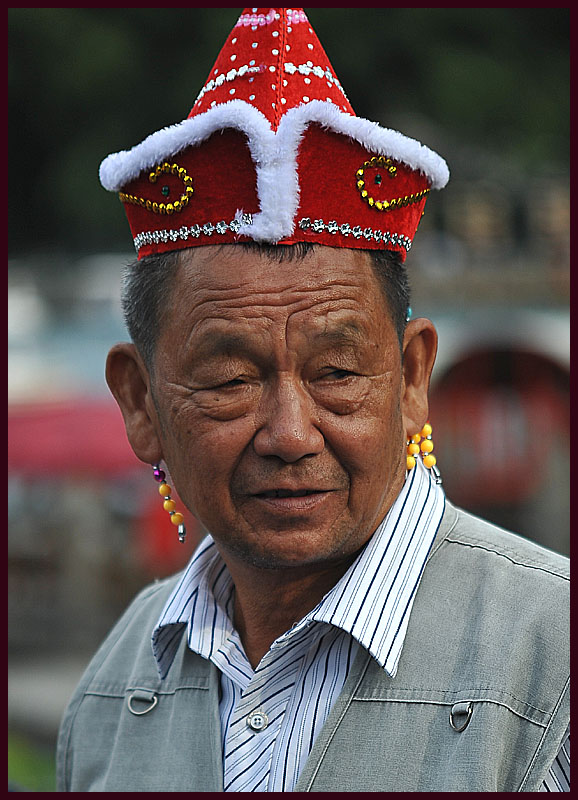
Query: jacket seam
[(543, 739), (512, 560), (441, 703), (120, 693), (459, 691)]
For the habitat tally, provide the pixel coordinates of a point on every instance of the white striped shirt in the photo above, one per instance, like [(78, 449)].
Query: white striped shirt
[(294, 686)]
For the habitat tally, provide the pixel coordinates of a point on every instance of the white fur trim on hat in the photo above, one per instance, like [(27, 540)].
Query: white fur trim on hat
[(274, 154)]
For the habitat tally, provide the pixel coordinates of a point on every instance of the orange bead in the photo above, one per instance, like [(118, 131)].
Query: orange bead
[(169, 505), (427, 446), (177, 519), (429, 461), (412, 449), (416, 438), (410, 462), (164, 489), (426, 430)]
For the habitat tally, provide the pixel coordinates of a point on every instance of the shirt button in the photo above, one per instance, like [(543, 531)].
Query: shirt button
[(257, 721)]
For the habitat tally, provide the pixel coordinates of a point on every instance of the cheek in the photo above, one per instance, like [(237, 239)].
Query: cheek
[(370, 443), (200, 451)]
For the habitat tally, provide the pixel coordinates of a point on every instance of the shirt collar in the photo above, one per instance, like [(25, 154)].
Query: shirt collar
[(372, 601)]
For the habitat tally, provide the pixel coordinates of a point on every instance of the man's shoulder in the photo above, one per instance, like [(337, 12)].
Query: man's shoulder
[(151, 599), (465, 530), (127, 648)]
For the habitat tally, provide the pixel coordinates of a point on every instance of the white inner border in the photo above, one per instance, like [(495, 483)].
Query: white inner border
[(274, 154)]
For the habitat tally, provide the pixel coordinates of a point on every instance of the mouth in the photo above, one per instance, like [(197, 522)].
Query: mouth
[(296, 501), (289, 493)]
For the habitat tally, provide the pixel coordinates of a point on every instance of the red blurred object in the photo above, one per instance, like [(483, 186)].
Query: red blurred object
[(159, 551), (79, 435), (499, 417)]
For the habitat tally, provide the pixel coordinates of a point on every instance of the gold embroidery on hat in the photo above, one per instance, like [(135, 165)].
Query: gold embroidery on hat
[(383, 205), (163, 208)]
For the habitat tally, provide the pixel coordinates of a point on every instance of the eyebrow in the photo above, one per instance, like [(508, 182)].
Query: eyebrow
[(345, 334), (216, 344)]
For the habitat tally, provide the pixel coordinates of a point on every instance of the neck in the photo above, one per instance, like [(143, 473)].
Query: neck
[(269, 602)]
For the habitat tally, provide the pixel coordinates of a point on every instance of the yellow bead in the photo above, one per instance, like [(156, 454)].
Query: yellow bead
[(429, 461), (427, 446), (165, 490), (426, 430), (416, 438), (169, 505), (410, 462), (177, 519), (152, 177), (412, 449)]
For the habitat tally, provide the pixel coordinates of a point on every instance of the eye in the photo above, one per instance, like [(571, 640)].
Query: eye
[(336, 374), (233, 383)]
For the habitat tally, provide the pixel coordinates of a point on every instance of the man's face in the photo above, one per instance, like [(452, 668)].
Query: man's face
[(277, 389)]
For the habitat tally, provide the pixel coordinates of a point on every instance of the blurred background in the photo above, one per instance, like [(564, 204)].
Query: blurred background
[(487, 88)]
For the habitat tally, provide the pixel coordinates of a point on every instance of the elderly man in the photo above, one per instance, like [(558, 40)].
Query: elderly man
[(343, 627)]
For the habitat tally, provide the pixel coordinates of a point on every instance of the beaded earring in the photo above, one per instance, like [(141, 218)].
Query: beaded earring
[(169, 504), (421, 444)]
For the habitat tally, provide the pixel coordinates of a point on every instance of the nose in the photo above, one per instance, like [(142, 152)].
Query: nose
[(287, 427)]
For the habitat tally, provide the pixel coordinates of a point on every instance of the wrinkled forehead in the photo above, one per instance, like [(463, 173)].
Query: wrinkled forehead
[(323, 288), (271, 269)]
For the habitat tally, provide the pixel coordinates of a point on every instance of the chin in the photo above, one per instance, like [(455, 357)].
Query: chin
[(298, 553)]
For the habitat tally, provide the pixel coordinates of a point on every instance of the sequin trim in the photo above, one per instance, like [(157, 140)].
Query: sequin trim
[(381, 162), (193, 232), (310, 69), (163, 208), (293, 17), (229, 76), (306, 224), (345, 229), (256, 19)]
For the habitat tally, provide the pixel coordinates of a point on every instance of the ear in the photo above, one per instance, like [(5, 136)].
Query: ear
[(419, 353), (129, 381)]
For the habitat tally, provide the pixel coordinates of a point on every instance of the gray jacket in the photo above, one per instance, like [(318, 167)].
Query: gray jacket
[(480, 701)]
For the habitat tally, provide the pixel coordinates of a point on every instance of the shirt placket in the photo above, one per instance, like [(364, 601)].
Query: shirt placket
[(259, 713)]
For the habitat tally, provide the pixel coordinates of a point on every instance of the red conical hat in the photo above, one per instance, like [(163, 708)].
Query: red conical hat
[(272, 152)]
